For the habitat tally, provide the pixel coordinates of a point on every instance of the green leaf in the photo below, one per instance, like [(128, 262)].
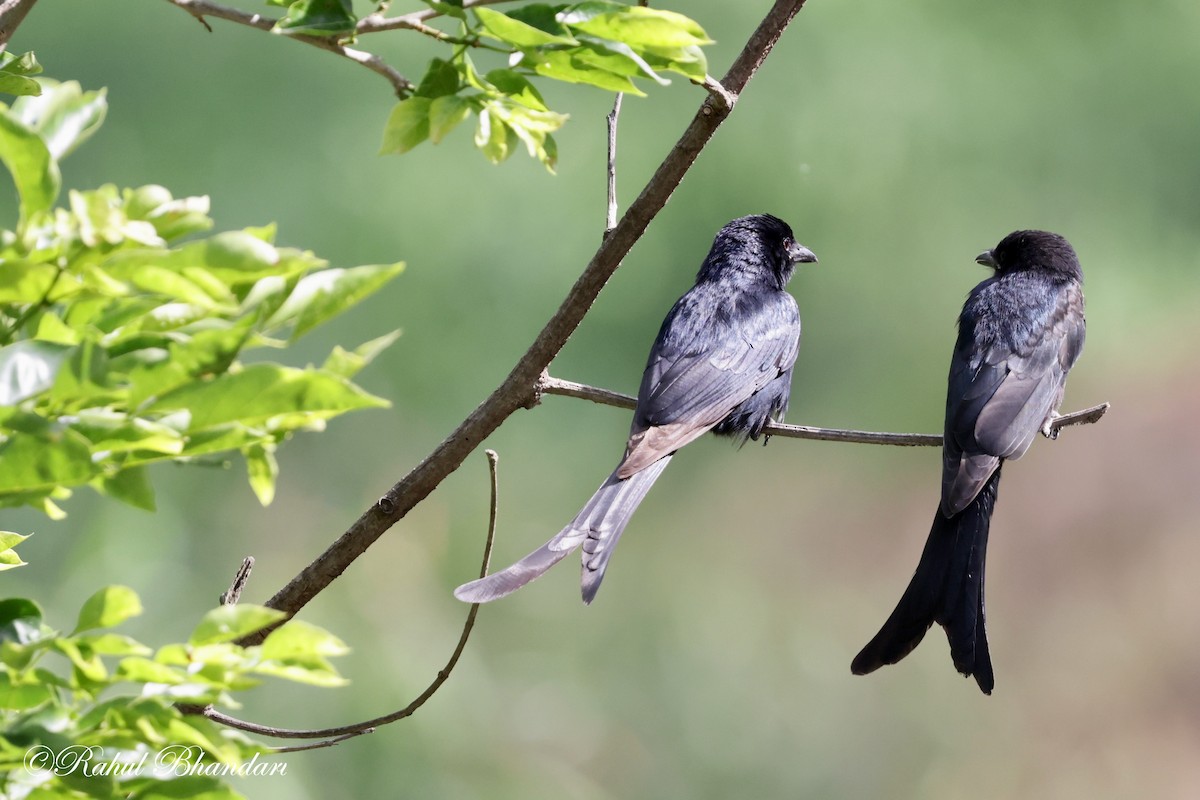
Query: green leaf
[(112, 431), (619, 58), (50, 328), (318, 18), (114, 644), (8, 556), (517, 87), (637, 26), (22, 282), (520, 33), (171, 218), (445, 113), (188, 787), (688, 61), (321, 296), (312, 671), (144, 670), (568, 66), (299, 639), (80, 381), (108, 607), (20, 695), (16, 72), (29, 463), (262, 469), (207, 352), (172, 284), (131, 486), (63, 115), (451, 8), (262, 391), (407, 126), (29, 368), (349, 363), (533, 128), (235, 258), (89, 667), (495, 139), (227, 623), (20, 621), (33, 169), (441, 78)]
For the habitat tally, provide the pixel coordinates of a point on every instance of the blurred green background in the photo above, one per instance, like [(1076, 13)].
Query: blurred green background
[(899, 139)]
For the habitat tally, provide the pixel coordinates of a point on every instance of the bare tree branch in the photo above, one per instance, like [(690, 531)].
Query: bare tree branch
[(552, 385), (519, 389), (12, 14), (344, 732), (200, 9)]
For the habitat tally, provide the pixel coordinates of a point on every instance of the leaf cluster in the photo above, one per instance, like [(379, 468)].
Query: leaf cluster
[(124, 324), (598, 43), (65, 696)]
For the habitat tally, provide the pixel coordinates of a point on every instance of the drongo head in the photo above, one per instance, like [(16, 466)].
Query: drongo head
[(1033, 250), (759, 240)]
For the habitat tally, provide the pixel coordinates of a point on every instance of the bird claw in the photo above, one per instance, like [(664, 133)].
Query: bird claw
[(1048, 429)]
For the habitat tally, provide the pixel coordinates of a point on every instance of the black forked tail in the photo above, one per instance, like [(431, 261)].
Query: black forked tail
[(947, 589)]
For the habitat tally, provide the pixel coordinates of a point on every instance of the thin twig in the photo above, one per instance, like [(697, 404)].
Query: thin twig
[(374, 23), (297, 748), (344, 732), (552, 385), (610, 221), (205, 8), (231, 596)]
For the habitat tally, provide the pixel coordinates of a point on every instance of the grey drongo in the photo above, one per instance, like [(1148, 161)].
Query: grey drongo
[(1019, 334), (722, 362)]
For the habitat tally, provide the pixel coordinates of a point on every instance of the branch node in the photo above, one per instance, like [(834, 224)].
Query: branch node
[(386, 506), (720, 99)]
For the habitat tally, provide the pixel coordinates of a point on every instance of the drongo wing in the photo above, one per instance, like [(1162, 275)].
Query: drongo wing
[(704, 364), (1002, 389)]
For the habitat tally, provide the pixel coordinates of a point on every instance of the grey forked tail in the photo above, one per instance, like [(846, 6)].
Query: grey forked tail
[(597, 527)]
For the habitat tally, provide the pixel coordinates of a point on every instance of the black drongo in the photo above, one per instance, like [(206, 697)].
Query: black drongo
[(722, 362), (1019, 334)]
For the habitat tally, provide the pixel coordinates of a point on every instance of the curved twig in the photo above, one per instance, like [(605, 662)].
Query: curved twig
[(200, 9), (343, 732), (552, 385)]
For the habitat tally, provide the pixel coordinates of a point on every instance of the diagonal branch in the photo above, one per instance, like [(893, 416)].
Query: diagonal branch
[(519, 389), (200, 9), (551, 385), (333, 736), (12, 14)]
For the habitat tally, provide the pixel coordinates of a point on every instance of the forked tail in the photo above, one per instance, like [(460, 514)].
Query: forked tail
[(598, 527), (947, 588)]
